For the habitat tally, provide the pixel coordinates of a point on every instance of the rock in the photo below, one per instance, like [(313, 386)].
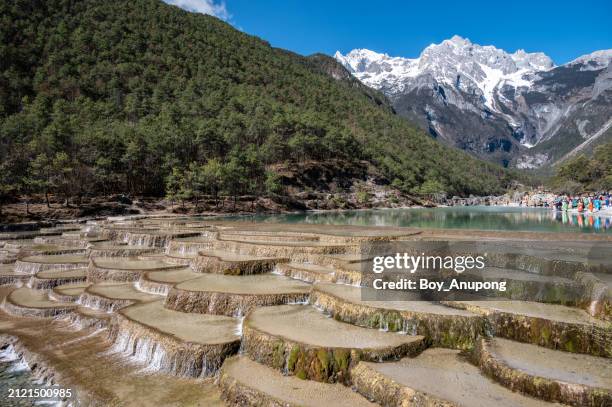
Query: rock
[(578, 380), (305, 343)]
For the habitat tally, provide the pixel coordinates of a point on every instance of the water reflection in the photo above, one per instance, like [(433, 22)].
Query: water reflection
[(473, 217), (581, 220)]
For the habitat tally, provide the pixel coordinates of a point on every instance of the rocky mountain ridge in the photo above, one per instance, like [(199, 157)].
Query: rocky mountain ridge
[(518, 109)]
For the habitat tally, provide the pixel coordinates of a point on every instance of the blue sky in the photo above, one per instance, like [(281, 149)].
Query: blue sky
[(562, 29)]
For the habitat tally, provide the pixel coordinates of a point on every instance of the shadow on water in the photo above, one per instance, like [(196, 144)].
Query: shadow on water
[(472, 217)]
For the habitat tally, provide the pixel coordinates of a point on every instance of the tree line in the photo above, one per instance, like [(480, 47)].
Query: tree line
[(139, 97), (582, 173)]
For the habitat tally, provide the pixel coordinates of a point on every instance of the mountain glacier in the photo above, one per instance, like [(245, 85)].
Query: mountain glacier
[(516, 108)]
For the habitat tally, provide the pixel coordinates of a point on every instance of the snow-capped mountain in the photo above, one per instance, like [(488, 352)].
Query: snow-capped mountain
[(498, 105), (456, 62)]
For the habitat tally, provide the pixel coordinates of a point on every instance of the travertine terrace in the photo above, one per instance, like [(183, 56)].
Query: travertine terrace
[(205, 312)]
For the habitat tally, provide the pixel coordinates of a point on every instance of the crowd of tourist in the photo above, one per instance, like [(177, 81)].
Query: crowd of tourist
[(592, 211), (585, 203)]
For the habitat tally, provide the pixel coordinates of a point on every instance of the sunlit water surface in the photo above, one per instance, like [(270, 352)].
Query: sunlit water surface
[(458, 217)]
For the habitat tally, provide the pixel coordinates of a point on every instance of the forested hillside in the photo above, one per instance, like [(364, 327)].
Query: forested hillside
[(582, 173), (138, 97)]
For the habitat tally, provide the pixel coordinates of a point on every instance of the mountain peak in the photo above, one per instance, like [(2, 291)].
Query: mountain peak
[(594, 60), (509, 102), (455, 62), (457, 40), (535, 61)]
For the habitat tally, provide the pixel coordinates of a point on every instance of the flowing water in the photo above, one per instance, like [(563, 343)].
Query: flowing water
[(457, 217), (14, 374)]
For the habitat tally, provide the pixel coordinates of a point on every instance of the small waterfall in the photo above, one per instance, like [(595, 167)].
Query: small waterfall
[(347, 278), (26, 267), (239, 327), (49, 283), (237, 313), (599, 296), (119, 251), (316, 305), (383, 325), (152, 288), (304, 301), (410, 327), (79, 321), (101, 303), (88, 301), (157, 351), (157, 361), (186, 248), (143, 350), (17, 362), (24, 311), (120, 345), (147, 239), (294, 273), (16, 373), (55, 296)]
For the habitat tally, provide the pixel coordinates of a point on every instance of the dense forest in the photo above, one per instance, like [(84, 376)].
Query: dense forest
[(581, 173), (142, 98)]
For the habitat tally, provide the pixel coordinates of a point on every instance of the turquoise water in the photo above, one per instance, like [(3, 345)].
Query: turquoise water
[(463, 217)]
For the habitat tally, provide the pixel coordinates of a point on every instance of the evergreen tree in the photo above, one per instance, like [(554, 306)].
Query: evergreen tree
[(234, 178), (117, 94), (41, 170), (173, 185), (212, 178)]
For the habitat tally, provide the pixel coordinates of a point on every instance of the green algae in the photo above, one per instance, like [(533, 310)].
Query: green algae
[(293, 358), (320, 364), (569, 346), (323, 358), (545, 333), (342, 359), (278, 356)]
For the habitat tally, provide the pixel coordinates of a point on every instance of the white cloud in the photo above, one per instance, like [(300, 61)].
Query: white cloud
[(211, 7)]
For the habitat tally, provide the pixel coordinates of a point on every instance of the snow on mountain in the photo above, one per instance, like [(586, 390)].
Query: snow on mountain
[(502, 106), (455, 62), (377, 70), (595, 60)]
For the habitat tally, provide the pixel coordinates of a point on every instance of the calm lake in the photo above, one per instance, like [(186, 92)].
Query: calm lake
[(458, 217)]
